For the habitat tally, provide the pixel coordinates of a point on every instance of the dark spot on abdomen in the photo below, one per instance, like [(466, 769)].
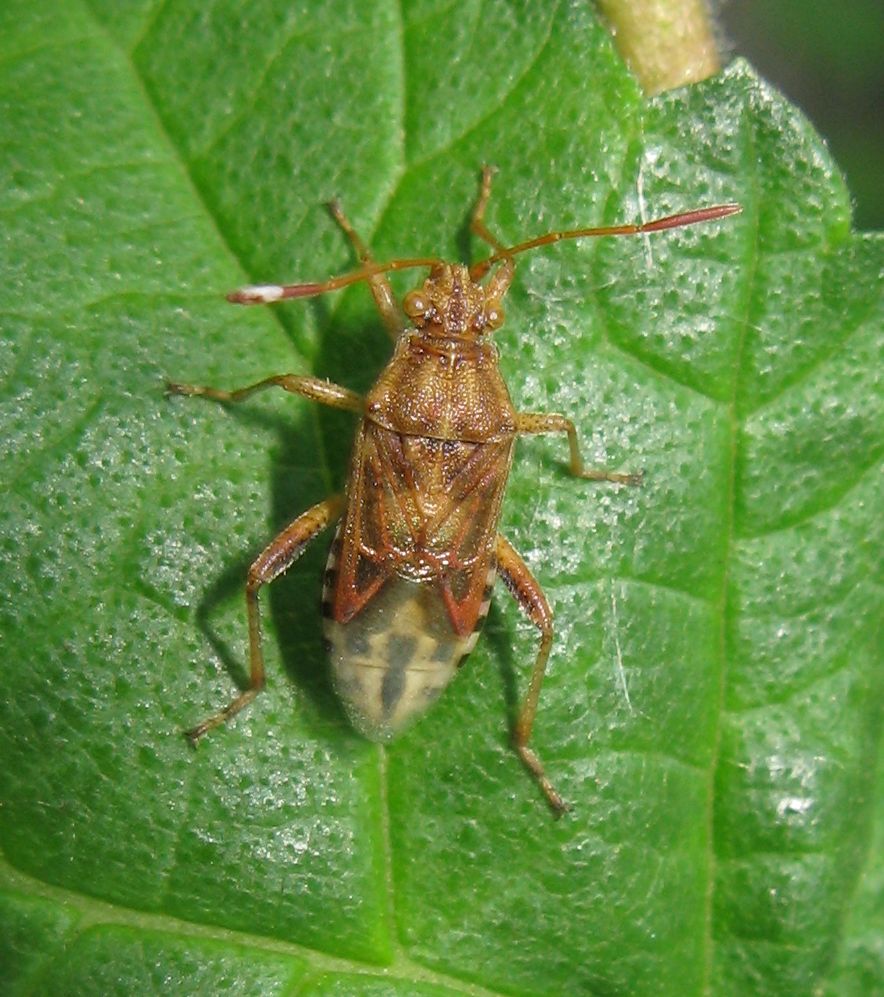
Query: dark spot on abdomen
[(400, 653)]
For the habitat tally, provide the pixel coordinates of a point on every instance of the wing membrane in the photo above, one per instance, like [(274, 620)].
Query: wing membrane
[(426, 509)]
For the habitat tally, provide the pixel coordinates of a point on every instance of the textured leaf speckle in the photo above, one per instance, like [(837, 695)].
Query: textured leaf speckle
[(713, 708)]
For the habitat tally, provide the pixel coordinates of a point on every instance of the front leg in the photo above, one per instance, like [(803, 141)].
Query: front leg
[(380, 287), (275, 559), (543, 422), (529, 595)]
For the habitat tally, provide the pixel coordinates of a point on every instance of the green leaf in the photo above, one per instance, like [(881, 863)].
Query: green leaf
[(713, 706)]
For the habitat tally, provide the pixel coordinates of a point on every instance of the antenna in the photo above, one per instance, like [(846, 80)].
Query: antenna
[(679, 220)]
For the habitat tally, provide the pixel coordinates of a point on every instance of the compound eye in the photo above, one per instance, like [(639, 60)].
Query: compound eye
[(416, 304), (494, 315)]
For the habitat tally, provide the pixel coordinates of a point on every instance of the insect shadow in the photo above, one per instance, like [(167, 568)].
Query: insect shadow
[(298, 443), (501, 639)]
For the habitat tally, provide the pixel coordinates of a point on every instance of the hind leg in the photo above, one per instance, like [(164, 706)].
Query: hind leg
[(276, 558), (529, 595)]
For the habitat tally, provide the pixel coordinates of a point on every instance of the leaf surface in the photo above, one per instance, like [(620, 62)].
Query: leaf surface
[(713, 707)]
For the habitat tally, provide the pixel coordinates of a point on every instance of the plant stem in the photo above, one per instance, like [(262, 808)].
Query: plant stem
[(667, 43)]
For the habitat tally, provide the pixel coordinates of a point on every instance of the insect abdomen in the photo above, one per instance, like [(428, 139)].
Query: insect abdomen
[(392, 661)]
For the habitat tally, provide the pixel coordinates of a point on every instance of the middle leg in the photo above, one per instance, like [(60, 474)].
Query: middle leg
[(314, 388), (543, 422)]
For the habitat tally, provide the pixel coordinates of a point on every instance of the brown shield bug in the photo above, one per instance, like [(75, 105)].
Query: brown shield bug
[(417, 550)]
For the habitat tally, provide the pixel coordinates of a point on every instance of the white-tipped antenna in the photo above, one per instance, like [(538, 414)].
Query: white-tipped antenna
[(263, 294)]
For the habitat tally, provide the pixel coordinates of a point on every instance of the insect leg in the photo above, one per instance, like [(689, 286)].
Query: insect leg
[(528, 594), (317, 390), (543, 422), (276, 558), (477, 219), (380, 286)]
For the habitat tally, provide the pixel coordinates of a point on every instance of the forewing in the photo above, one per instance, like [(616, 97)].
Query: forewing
[(466, 524), (363, 564), (420, 500)]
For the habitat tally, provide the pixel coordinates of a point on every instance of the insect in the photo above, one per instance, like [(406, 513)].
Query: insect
[(417, 550)]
